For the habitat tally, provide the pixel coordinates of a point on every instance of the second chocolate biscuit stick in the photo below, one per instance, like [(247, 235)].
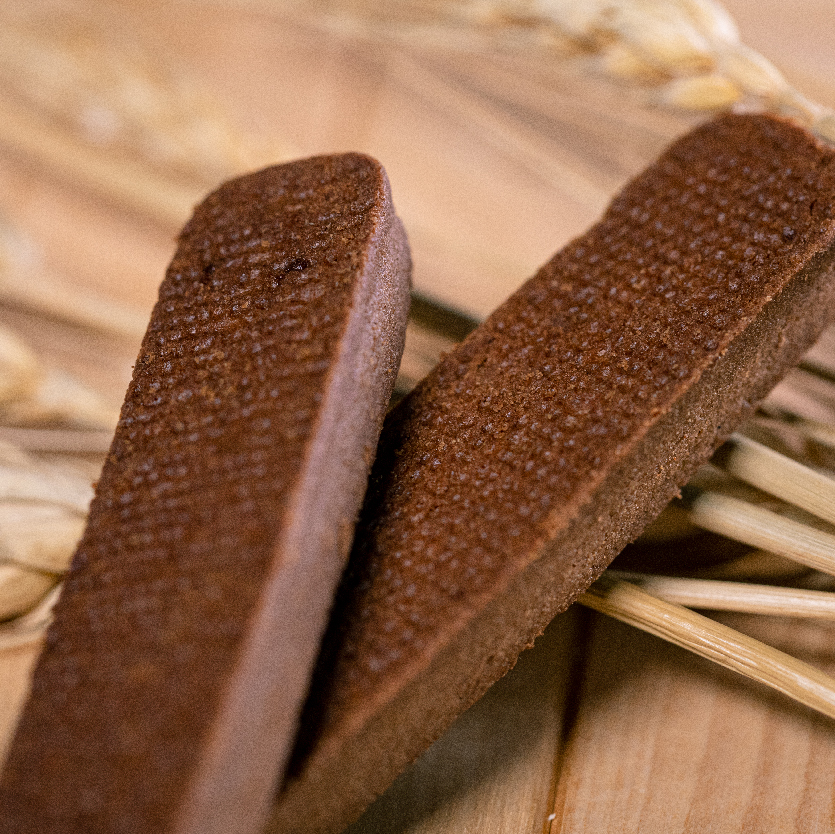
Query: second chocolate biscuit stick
[(520, 467)]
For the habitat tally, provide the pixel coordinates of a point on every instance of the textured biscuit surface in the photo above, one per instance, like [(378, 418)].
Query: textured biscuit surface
[(535, 451), (168, 692)]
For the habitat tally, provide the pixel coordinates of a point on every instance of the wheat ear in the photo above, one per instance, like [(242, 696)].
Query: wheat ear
[(688, 53)]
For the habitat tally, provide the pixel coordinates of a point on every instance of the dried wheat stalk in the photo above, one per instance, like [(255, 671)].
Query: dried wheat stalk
[(42, 515), (688, 52), (33, 394), (778, 475), (716, 642), (743, 597), (750, 524)]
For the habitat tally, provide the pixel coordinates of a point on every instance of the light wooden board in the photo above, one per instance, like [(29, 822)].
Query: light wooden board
[(666, 742), (496, 160)]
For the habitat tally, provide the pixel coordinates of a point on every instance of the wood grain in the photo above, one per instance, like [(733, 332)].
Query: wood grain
[(497, 158), (665, 742)]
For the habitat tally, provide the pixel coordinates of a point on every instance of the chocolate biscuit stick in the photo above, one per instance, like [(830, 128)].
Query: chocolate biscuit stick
[(168, 693)]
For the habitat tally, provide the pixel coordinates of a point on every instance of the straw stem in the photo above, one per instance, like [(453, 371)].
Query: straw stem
[(742, 597), (714, 641), (778, 475), (750, 524)]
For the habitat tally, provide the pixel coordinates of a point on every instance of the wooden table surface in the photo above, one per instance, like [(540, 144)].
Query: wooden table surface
[(496, 159)]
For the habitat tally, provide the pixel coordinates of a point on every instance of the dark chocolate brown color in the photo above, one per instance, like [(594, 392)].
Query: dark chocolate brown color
[(510, 478), (168, 693)]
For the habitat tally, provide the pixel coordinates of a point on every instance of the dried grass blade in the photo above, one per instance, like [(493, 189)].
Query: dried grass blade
[(756, 526), (743, 597), (713, 641), (778, 475), (22, 589), (31, 626)]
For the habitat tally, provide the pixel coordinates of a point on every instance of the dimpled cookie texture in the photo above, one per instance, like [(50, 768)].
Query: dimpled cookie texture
[(168, 693), (535, 451)]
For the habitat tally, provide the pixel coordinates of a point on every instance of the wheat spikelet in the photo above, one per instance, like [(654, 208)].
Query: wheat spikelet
[(42, 514), (85, 74)]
